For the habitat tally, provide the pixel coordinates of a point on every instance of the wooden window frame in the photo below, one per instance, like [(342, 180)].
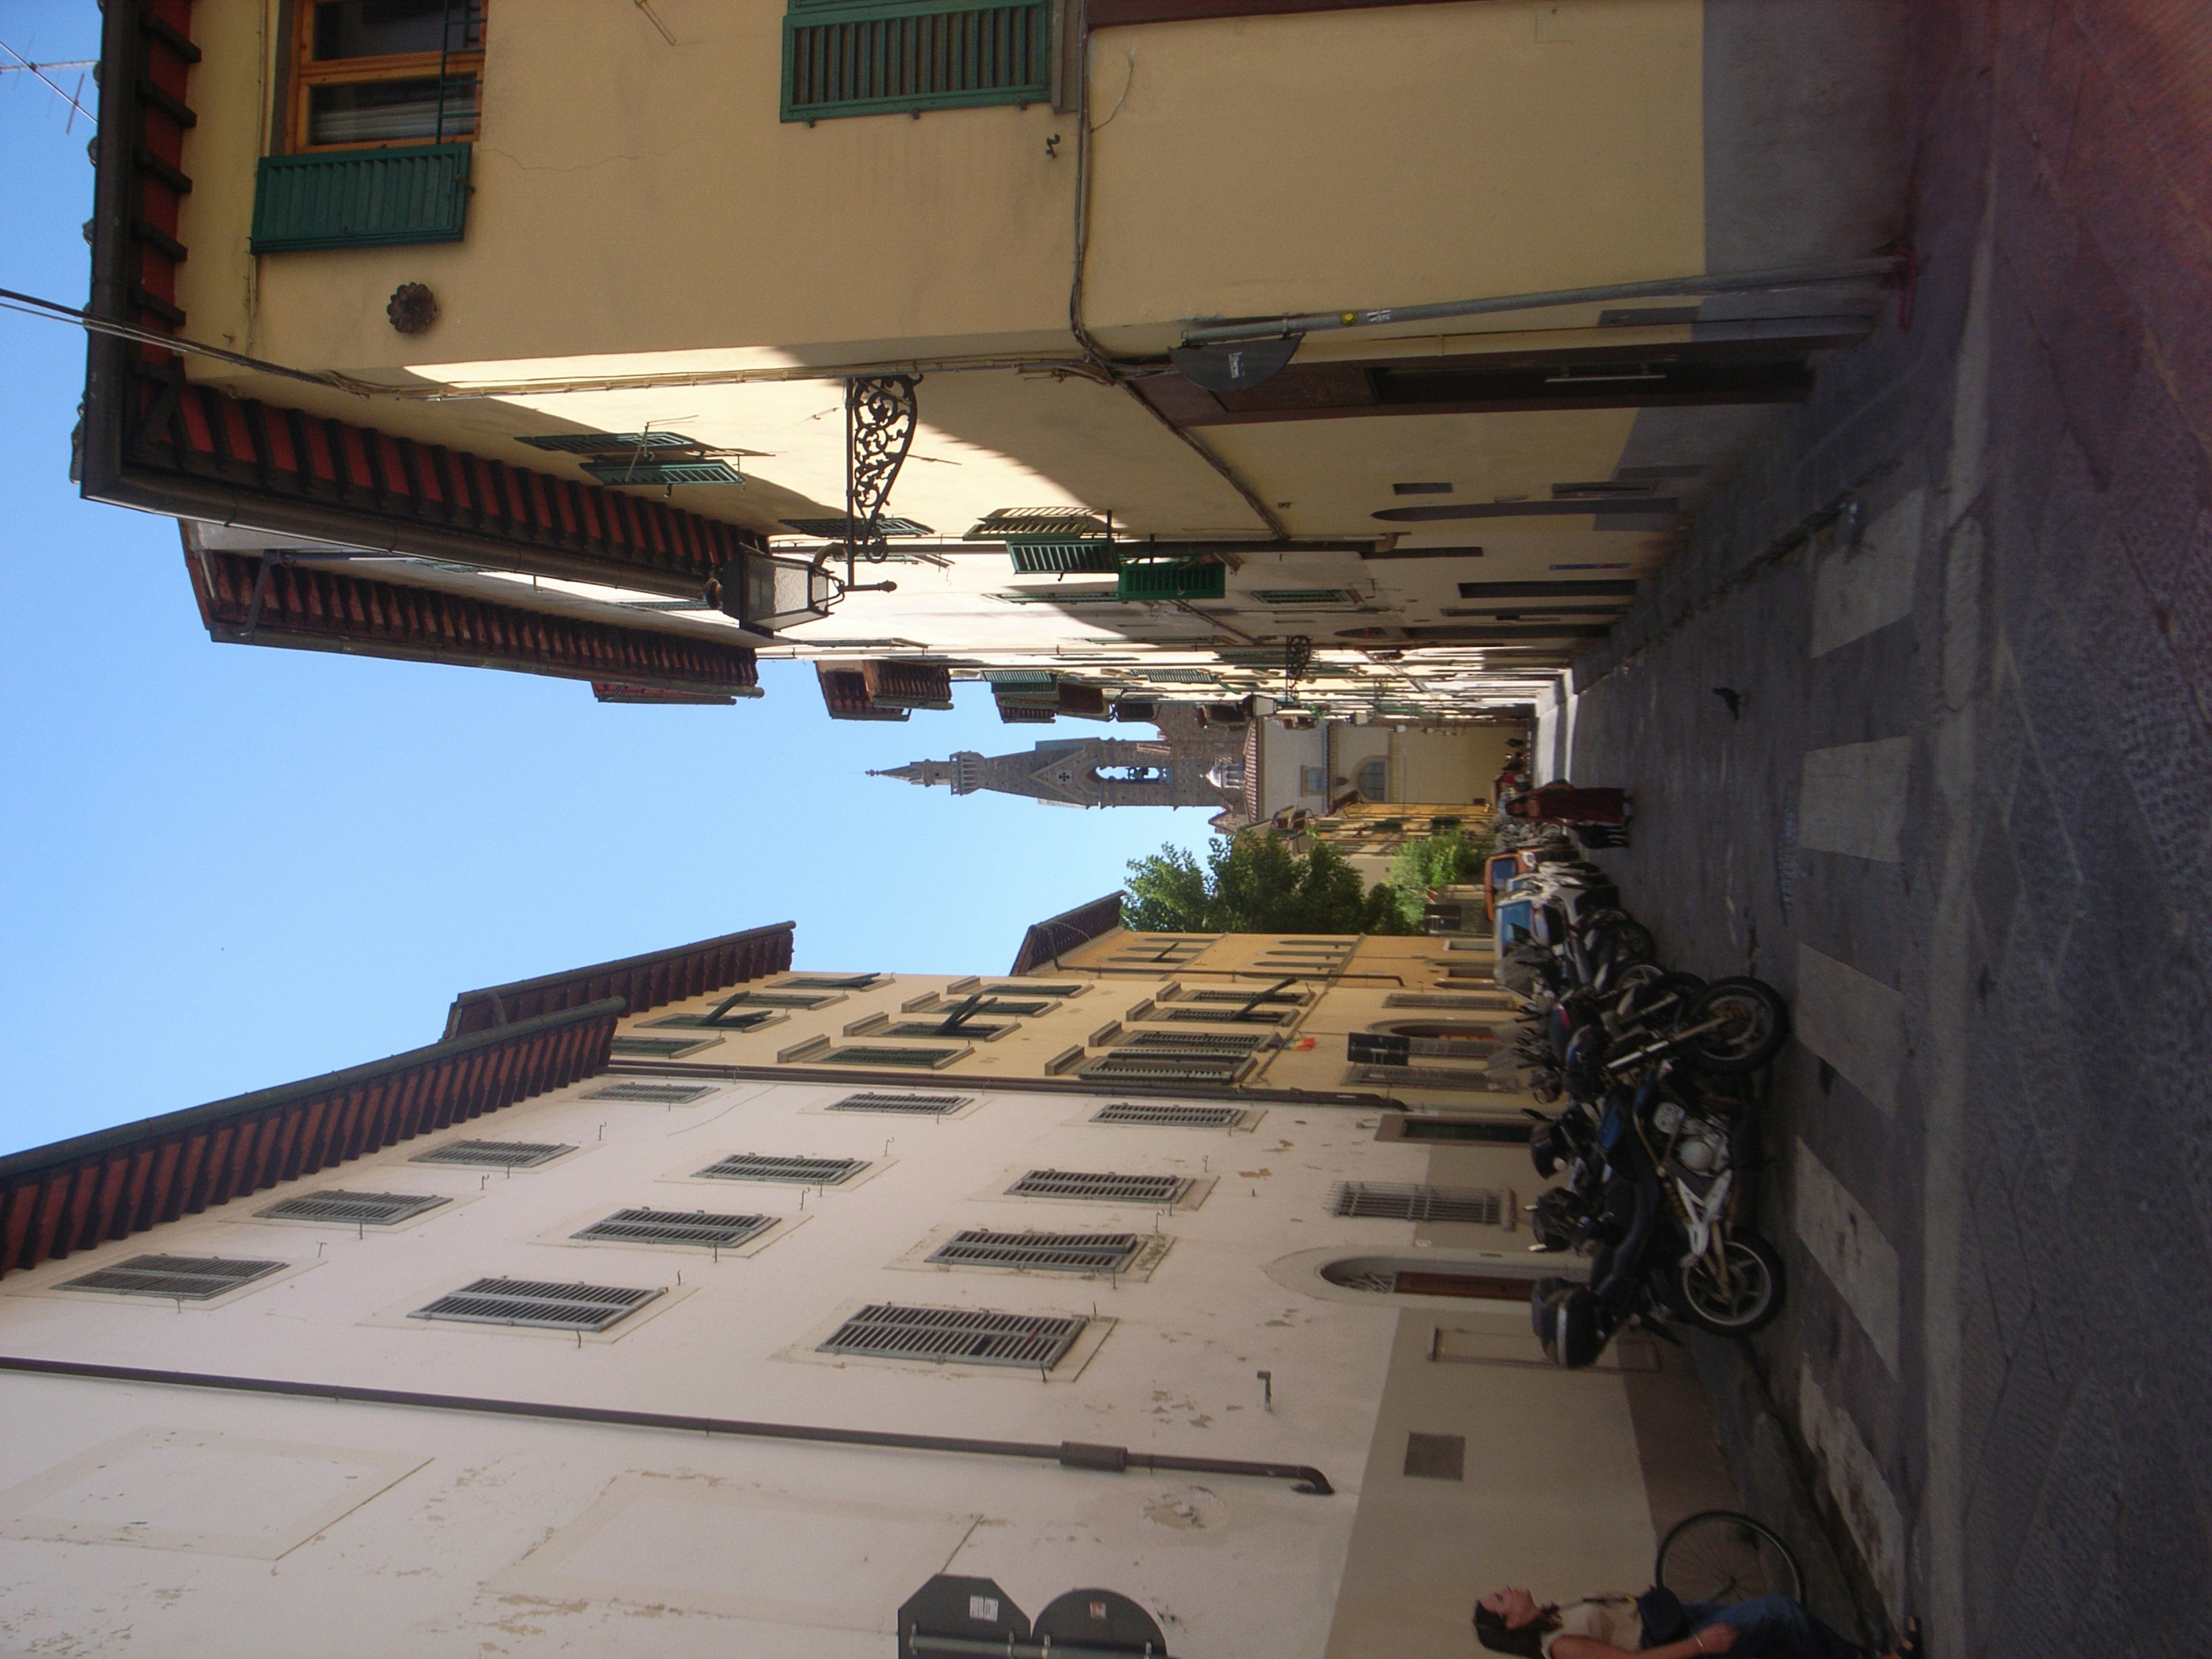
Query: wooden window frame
[(307, 72)]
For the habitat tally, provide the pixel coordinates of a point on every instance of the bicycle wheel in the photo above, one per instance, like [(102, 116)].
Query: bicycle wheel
[(1720, 1555)]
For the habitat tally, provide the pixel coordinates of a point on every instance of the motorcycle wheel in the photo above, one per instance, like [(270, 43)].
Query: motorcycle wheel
[(1632, 941), (1754, 1295), (1757, 1024)]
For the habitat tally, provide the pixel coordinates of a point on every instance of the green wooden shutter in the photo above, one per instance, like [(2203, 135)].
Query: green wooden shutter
[(1040, 557), (361, 198), (1162, 579), (888, 56)]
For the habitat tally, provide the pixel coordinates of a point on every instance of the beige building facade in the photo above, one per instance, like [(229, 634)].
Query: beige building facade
[(673, 1306), (1135, 280)]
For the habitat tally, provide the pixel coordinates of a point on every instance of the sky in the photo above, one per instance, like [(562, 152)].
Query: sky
[(224, 867)]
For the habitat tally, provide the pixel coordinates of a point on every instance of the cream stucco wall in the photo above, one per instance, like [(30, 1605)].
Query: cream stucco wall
[(631, 196), (1357, 159)]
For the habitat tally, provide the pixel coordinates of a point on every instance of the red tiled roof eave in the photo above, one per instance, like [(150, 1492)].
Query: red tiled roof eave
[(257, 599), (1047, 939), (71, 1195), (645, 982)]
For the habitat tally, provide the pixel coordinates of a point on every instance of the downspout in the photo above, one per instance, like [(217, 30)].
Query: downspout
[(1067, 1454), (1090, 347)]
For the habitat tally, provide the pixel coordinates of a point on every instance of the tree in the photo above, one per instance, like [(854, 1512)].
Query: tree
[(1437, 860), (1258, 883)]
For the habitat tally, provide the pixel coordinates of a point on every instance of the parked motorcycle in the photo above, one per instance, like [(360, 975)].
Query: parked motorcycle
[(1650, 1196)]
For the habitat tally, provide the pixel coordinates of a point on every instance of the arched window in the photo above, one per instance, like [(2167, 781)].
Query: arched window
[(1373, 779)]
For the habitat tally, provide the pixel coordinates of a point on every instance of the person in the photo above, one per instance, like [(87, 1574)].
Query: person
[(1563, 802), (1513, 1621)]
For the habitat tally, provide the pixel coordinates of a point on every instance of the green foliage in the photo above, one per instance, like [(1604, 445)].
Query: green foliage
[(1436, 861), (1258, 883)]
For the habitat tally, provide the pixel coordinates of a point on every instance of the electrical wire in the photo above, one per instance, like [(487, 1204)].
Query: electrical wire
[(52, 311)]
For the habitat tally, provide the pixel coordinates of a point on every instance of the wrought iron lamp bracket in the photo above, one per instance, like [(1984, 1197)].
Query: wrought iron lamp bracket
[(880, 416)]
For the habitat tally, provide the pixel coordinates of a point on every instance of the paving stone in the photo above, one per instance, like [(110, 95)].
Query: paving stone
[(2083, 833)]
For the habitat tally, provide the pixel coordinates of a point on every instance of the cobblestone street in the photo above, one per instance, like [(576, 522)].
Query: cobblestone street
[(1956, 806)]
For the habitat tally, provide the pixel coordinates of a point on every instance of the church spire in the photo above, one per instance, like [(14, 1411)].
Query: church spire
[(922, 772)]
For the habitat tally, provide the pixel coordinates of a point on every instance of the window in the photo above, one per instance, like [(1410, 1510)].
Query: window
[(1161, 1066), (1304, 598), (702, 1227), (535, 1303), (351, 1209), (928, 1105), (798, 1171), (1173, 579), (983, 1030), (1457, 1129), (1229, 1042), (744, 1011), (828, 982), (1066, 1253), (1400, 1201), (174, 1278), (1460, 1078), (926, 1059), (1171, 1117), (1102, 1188), (1161, 950), (1258, 999), (1027, 987), (1313, 780), (381, 114), (1373, 779), (834, 530), (644, 1048), (385, 72), (884, 57), (1224, 1015), (1439, 999), (494, 1154), (653, 1094), (886, 1331)]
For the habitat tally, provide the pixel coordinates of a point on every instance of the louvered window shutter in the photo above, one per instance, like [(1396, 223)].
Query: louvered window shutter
[(893, 57)]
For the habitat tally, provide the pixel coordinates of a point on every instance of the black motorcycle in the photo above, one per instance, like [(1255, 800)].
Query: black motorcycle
[(1649, 1194)]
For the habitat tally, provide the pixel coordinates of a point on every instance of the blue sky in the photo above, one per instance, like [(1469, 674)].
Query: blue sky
[(223, 867)]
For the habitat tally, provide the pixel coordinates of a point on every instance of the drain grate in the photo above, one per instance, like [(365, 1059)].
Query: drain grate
[(1172, 1117), (1785, 861), (1104, 1189), (802, 1171), (495, 1154), (351, 1209), (537, 1304), (653, 1094), (927, 1105), (174, 1278), (886, 1331), (1403, 1201), (702, 1227), (1066, 1253)]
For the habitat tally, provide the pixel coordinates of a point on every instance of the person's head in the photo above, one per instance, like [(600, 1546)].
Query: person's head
[(1517, 807), (1513, 1621)]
